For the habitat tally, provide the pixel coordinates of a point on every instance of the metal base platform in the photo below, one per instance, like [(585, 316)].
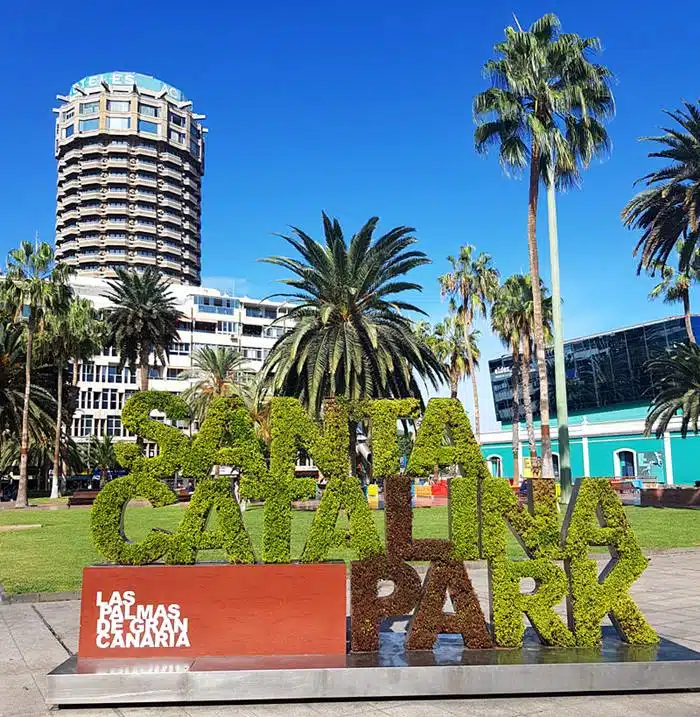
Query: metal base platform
[(448, 670)]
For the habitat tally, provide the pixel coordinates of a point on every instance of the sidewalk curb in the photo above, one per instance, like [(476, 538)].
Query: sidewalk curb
[(6, 599)]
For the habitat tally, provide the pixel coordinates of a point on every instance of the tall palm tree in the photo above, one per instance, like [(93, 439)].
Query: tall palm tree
[(472, 284), (87, 332), (675, 286), (678, 391), (256, 397), (143, 319), (446, 340), (73, 331), (216, 370), (350, 337), (506, 313), (668, 209), (35, 285), (543, 110)]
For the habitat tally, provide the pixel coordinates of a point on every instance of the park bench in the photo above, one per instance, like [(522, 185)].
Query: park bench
[(83, 497)]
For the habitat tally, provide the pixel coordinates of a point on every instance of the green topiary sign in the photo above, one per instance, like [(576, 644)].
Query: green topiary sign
[(482, 511)]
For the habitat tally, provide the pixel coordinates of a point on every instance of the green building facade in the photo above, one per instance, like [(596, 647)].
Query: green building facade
[(608, 387)]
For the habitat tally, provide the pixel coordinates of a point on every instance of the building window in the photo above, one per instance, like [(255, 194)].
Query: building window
[(174, 373), (194, 131), (149, 110), (68, 115), (555, 464), (177, 120), (114, 426), (145, 252), (118, 123), (625, 461), (194, 148), (176, 136), (273, 332), (180, 349), (89, 108), (150, 127), (68, 131), (118, 105), (85, 428), (252, 354), (88, 125), (495, 465)]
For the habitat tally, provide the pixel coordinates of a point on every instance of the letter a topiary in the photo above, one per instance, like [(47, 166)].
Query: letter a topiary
[(592, 597), (539, 536), (445, 418)]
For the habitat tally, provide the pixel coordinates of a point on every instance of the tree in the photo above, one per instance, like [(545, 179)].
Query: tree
[(506, 313), (100, 454), (35, 285), (73, 331), (667, 210), (675, 286), (87, 332), (472, 283), (143, 319), (350, 337), (678, 390), (446, 340), (216, 370), (256, 397), (543, 111)]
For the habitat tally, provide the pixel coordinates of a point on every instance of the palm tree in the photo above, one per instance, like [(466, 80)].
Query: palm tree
[(100, 454), (543, 110), (256, 397), (42, 404), (472, 284), (668, 209), (675, 286), (506, 323), (74, 331), (350, 337), (87, 332), (35, 285), (143, 319), (216, 370), (679, 389), (446, 340)]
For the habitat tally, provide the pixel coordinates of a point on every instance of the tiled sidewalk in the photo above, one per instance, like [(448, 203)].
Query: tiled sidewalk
[(35, 638)]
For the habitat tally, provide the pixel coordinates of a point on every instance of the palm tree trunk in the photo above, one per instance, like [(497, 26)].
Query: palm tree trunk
[(559, 360), (75, 371), (21, 501), (454, 381), (55, 481), (686, 315), (143, 374), (547, 469), (515, 418), (472, 373), (527, 399)]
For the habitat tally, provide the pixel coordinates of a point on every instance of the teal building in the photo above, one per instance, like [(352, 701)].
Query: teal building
[(608, 388)]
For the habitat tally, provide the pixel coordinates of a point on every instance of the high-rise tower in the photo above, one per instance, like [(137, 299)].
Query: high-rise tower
[(130, 153)]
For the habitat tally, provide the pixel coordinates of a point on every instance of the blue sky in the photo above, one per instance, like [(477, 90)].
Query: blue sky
[(360, 109)]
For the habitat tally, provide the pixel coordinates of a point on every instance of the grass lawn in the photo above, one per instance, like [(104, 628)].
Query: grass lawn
[(51, 558)]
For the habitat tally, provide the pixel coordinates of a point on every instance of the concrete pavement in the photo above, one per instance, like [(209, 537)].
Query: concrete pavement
[(36, 637)]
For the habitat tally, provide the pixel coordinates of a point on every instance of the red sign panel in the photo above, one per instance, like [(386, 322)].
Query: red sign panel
[(213, 610)]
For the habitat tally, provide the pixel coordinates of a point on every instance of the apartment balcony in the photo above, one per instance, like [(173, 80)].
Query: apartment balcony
[(165, 171), (90, 241), (170, 264), (169, 232), (71, 154), (145, 228), (69, 214), (145, 151), (142, 243), (146, 181), (120, 208), (144, 260), (69, 200), (165, 202), (88, 259), (67, 184), (171, 157), (91, 164)]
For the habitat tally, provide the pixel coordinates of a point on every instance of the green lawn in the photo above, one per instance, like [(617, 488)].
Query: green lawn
[(52, 558)]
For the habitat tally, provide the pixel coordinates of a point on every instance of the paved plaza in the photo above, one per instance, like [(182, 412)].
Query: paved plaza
[(36, 637)]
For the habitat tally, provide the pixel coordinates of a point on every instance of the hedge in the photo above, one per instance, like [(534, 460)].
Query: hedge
[(539, 536), (596, 517)]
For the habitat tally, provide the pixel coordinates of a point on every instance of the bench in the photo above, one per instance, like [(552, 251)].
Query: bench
[(83, 497)]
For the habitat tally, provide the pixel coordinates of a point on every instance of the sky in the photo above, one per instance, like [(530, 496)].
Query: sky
[(360, 109)]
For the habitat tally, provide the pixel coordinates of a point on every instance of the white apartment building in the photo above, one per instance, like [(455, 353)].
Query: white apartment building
[(210, 318)]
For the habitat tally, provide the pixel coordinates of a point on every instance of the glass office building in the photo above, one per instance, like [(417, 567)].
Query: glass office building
[(602, 371), (609, 388)]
